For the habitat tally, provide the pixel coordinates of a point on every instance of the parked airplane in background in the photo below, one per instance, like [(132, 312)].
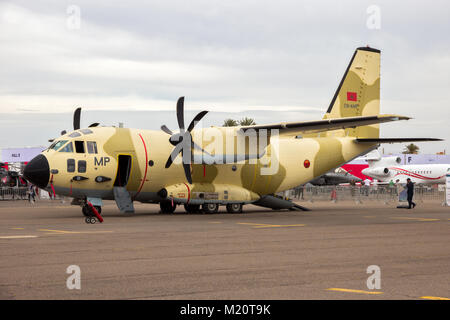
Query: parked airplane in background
[(335, 178), (175, 168), (389, 168)]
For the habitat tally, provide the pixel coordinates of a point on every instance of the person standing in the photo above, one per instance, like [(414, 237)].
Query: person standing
[(410, 193), (397, 187), (31, 194)]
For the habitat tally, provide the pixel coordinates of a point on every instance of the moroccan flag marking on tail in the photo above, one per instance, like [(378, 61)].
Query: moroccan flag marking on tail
[(352, 96)]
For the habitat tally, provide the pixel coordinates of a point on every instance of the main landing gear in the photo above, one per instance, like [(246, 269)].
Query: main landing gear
[(167, 206), (234, 208), (204, 208), (207, 208)]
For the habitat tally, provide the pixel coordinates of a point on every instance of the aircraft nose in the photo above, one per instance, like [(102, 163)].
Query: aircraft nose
[(37, 171)]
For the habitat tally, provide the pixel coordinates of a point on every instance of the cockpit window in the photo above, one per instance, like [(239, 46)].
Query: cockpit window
[(75, 134), (58, 144), (67, 148), (79, 146), (91, 147), (86, 131)]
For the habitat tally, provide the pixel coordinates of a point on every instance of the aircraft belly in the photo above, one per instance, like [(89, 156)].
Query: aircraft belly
[(199, 193)]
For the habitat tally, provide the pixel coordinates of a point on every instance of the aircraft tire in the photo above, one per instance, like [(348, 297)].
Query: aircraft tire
[(234, 207), (192, 208), (167, 207), (210, 208)]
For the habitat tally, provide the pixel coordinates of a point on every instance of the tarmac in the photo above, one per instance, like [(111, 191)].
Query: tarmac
[(324, 253)]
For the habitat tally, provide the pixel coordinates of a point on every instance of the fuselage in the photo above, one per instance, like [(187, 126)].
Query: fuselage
[(90, 162), (420, 174)]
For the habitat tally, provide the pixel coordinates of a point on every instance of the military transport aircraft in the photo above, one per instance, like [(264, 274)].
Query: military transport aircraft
[(246, 164)]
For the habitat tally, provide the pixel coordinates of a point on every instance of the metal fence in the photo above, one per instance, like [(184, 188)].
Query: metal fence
[(360, 194), (13, 193)]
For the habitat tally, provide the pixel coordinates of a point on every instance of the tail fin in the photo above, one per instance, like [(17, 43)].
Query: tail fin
[(358, 93)]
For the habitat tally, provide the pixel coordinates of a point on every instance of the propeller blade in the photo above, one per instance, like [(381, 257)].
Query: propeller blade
[(173, 155), (76, 119), (95, 124), (196, 146), (187, 172), (180, 113), (196, 119), (166, 130)]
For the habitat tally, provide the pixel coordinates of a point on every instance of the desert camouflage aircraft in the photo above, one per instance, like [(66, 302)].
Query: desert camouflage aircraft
[(229, 166)]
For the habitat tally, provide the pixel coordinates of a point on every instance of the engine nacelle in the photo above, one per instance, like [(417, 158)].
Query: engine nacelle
[(380, 171), (393, 160)]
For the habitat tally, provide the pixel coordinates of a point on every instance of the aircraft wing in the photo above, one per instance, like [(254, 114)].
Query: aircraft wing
[(296, 128), (394, 140)]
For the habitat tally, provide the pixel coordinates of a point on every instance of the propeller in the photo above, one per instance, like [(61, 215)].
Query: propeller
[(76, 118), (76, 122), (182, 140)]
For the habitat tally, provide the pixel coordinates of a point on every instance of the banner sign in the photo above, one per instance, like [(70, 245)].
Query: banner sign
[(20, 154)]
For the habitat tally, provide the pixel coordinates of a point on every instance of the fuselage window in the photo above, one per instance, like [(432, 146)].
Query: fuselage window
[(91, 146), (75, 134), (67, 148), (79, 146), (86, 131), (70, 165), (81, 166)]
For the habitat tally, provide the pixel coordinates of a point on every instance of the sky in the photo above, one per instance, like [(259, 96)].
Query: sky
[(129, 61)]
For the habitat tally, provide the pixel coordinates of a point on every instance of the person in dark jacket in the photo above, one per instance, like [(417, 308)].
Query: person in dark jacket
[(410, 193)]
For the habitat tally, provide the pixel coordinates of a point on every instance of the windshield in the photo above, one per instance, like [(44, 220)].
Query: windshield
[(58, 144), (67, 148)]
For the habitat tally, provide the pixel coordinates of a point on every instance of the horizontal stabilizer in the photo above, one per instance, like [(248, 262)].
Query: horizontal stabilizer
[(394, 140)]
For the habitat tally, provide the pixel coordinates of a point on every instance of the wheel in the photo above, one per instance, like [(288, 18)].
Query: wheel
[(234, 207), (210, 207), (87, 220), (93, 220), (192, 208), (167, 207)]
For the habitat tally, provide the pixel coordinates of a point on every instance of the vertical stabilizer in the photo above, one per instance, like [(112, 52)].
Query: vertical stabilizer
[(358, 93)]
